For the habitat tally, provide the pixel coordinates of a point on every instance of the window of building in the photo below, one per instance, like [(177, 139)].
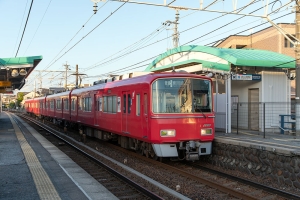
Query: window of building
[(288, 44)]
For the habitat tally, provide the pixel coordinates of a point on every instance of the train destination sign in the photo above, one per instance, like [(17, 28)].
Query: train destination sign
[(246, 77)]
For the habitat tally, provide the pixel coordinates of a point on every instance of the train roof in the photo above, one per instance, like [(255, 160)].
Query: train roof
[(148, 78)]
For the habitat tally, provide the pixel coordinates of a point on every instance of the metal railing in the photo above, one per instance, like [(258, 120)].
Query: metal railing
[(264, 117)]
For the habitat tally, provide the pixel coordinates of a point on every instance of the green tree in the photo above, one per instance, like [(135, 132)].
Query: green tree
[(20, 97), (12, 104)]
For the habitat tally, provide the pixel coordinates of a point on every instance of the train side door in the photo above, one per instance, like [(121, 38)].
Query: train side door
[(145, 116), (126, 110), (97, 110)]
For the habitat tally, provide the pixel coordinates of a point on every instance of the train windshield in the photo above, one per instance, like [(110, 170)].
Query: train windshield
[(181, 95)]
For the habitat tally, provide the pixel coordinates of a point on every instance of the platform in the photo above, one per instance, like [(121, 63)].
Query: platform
[(270, 141), (32, 168)]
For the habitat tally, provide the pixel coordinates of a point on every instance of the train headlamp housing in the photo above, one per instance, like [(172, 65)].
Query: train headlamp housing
[(206, 131), (167, 133)]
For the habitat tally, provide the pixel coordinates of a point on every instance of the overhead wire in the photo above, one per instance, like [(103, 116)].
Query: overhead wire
[(20, 25), (192, 28), (196, 38), (51, 62), (38, 27), (24, 28), (155, 56)]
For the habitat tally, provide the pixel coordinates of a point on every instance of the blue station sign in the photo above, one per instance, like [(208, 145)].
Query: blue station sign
[(246, 77)]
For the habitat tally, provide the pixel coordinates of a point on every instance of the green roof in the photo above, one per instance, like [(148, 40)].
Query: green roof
[(19, 60), (238, 57)]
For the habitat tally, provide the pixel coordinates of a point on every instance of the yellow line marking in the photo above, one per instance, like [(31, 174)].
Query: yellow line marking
[(43, 184)]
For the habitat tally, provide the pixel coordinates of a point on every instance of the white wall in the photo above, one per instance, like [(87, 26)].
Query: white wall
[(274, 91)]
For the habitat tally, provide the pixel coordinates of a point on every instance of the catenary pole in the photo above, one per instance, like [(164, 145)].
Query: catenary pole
[(297, 50)]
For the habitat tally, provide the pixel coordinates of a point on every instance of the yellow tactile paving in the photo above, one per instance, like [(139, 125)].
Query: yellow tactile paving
[(44, 186)]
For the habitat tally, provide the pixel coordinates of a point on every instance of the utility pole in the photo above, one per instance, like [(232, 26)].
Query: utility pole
[(297, 70), (176, 34), (77, 76), (67, 68)]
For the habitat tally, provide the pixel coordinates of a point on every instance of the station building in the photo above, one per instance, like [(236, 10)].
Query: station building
[(243, 78), (13, 73)]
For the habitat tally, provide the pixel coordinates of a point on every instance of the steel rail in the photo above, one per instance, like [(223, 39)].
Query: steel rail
[(140, 188), (247, 182)]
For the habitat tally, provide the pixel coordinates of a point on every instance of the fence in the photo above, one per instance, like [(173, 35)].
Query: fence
[(263, 117)]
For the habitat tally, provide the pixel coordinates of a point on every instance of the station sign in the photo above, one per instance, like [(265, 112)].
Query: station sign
[(246, 77), (5, 84)]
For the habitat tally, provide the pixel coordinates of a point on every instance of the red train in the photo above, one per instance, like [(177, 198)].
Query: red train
[(158, 114)]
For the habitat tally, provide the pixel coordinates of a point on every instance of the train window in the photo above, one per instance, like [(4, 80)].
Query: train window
[(109, 104), (73, 104), (87, 104), (104, 104), (124, 103), (66, 104), (114, 104), (58, 104), (181, 95), (129, 103), (100, 104), (145, 104), (138, 105), (52, 104)]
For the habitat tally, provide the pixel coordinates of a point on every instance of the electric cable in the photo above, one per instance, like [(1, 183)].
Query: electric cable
[(24, 28)]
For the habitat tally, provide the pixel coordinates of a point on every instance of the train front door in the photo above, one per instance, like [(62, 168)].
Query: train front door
[(126, 110)]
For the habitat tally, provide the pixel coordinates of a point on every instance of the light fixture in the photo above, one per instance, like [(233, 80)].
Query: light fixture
[(14, 73), (23, 72)]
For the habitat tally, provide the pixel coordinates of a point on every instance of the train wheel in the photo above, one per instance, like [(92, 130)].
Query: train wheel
[(152, 154)]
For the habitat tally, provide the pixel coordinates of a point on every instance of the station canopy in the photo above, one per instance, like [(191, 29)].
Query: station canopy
[(14, 71), (195, 58)]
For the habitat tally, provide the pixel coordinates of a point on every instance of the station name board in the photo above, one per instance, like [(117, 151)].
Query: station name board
[(246, 77), (5, 84)]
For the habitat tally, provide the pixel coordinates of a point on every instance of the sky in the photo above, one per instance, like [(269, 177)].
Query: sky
[(121, 37)]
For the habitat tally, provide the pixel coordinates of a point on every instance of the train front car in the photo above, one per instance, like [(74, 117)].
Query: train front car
[(182, 121)]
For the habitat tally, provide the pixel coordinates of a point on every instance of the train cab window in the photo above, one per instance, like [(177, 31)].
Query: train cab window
[(181, 95), (138, 105), (66, 104)]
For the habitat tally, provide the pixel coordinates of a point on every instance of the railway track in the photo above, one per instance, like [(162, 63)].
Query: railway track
[(117, 183), (193, 182)]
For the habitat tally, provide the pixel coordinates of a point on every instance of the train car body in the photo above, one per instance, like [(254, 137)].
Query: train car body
[(159, 114), (36, 106)]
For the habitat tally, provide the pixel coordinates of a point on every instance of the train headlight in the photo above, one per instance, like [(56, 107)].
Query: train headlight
[(167, 133), (207, 131)]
